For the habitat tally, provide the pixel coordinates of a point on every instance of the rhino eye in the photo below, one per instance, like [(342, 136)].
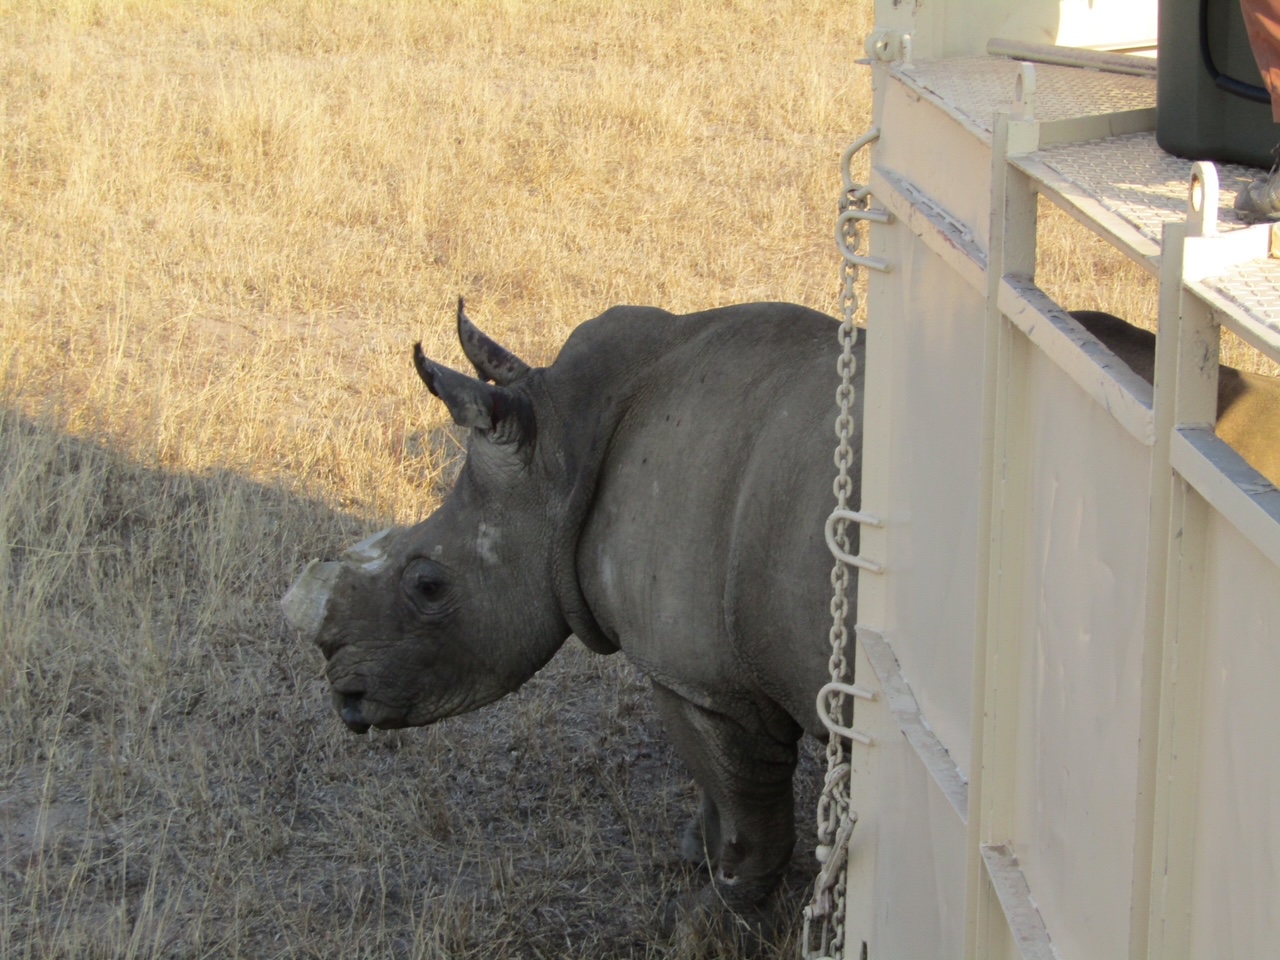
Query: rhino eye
[(428, 589), (424, 583)]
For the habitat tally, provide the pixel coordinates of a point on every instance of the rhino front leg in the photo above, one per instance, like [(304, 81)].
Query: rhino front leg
[(745, 772)]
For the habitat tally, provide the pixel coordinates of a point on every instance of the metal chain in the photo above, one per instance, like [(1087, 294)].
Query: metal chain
[(825, 914)]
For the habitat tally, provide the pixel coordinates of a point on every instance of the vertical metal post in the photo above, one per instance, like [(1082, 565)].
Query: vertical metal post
[(1161, 493), (1003, 514), (1192, 328)]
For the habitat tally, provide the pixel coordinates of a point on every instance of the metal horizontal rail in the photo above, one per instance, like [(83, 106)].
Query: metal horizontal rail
[(941, 233), (1098, 371), (906, 711), (1073, 57), (1229, 485), (1025, 922)]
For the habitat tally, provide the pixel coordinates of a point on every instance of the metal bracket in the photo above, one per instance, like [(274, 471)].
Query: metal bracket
[(871, 263), (824, 710), (1024, 93), (846, 163), (1202, 200), (885, 45), (867, 520)]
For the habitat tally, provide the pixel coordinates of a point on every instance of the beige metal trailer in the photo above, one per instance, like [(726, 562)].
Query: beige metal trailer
[(1074, 645)]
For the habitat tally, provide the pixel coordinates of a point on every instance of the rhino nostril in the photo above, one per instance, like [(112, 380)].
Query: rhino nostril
[(352, 713)]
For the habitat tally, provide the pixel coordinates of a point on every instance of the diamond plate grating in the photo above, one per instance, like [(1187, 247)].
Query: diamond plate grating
[(1128, 175), (1136, 180), (1255, 287), (979, 86), (1133, 178)]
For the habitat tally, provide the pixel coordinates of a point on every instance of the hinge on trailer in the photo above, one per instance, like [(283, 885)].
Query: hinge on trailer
[(885, 45)]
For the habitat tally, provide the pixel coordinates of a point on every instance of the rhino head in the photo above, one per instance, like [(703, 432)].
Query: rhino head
[(425, 622)]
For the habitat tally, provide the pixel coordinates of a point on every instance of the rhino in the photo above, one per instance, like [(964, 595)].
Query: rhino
[(660, 489), (1248, 403)]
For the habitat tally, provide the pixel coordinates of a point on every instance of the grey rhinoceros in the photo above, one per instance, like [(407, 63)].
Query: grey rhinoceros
[(660, 489)]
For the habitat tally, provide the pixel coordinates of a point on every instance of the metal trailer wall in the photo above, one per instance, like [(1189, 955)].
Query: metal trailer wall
[(1075, 644)]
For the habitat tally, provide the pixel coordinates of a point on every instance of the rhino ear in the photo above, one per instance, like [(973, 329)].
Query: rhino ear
[(491, 359), (503, 415)]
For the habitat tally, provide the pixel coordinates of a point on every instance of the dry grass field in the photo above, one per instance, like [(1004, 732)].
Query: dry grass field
[(223, 224)]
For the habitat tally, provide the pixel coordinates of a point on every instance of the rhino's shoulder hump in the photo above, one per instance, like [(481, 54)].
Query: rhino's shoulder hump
[(648, 328)]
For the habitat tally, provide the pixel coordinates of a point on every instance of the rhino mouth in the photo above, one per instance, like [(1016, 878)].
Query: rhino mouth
[(351, 709), (361, 714)]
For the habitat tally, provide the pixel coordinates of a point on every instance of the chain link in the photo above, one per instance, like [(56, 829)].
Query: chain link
[(824, 916)]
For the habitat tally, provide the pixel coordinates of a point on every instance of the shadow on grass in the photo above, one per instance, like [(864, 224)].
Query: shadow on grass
[(173, 782)]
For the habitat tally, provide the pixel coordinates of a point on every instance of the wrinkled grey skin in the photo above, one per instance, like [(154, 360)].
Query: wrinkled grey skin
[(660, 489)]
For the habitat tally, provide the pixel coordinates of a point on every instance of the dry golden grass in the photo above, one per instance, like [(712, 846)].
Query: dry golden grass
[(1081, 271), (223, 225)]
